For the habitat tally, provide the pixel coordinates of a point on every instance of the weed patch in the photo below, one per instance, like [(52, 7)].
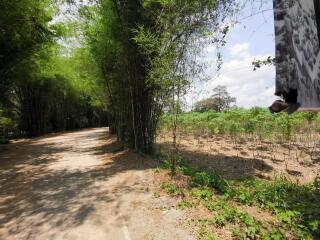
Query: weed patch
[(295, 206), (171, 189)]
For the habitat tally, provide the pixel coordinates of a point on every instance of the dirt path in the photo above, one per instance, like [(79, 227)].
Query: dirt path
[(81, 185)]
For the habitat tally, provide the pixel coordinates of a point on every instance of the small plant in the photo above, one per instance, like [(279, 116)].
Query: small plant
[(171, 189), (316, 184), (242, 196), (219, 183), (184, 204), (211, 206), (205, 235), (314, 225), (214, 180), (230, 214), (210, 237), (201, 179), (288, 216), (145, 189), (219, 220), (216, 205), (156, 195), (202, 193), (274, 235), (235, 233), (252, 227)]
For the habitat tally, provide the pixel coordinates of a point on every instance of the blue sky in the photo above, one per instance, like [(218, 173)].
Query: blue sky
[(252, 38)]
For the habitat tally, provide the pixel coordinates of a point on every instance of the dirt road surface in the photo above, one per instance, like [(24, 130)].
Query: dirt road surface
[(81, 185)]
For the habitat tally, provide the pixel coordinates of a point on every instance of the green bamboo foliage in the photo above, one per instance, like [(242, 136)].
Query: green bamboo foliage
[(146, 51), (43, 87)]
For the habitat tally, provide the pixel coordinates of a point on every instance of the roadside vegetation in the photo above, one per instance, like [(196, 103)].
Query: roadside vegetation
[(238, 142), (240, 124), (242, 209), (243, 173)]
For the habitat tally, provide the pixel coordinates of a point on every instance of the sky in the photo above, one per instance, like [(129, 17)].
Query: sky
[(252, 38)]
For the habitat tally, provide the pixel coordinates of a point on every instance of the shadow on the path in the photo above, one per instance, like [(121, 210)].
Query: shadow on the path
[(34, 194)]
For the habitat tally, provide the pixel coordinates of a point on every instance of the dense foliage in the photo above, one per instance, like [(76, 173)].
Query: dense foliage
[(256, 121), (219, 101), (140, 57), (146, 51), (43, 86), (24, 28)]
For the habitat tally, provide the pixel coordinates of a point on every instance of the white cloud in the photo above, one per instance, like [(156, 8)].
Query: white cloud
[(240, 49), (251, 88)]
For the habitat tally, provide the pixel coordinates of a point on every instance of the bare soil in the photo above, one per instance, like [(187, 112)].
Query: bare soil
[(248, 157), (82, 185)]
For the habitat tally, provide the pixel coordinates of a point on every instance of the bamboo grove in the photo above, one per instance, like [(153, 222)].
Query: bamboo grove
[(146, 50), (116, 62), (44, 87)]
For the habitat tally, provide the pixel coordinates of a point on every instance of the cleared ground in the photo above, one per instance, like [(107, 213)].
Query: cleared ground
[(299, 162), (82, 185)]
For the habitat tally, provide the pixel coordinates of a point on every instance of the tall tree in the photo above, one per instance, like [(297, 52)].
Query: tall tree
[(219, 101), (146, 50), (43, 86), (24, 27)]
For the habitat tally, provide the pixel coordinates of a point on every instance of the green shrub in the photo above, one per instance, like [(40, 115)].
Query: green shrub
[(202, 193), (219, 220), (297, 206), (274, 235), (184, 204), (171, 189), (201, 179)]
